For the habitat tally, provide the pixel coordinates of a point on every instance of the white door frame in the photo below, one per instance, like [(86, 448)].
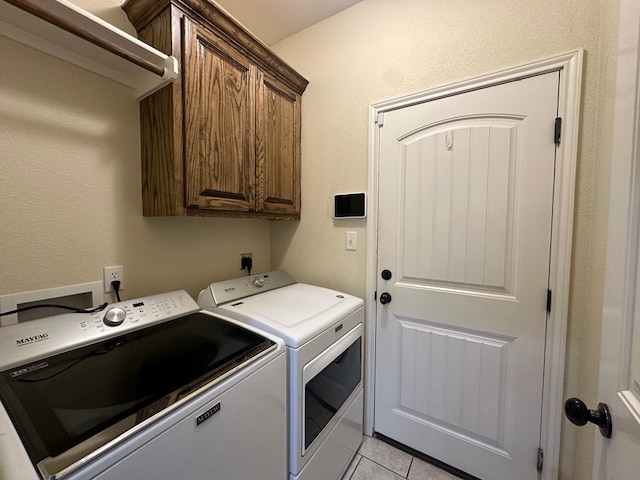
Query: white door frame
[(570, 66)]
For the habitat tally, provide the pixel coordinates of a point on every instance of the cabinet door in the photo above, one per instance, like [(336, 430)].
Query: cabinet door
[(277, 147), (219, 109)]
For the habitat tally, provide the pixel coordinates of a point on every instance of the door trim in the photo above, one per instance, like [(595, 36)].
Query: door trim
[(570, 67)]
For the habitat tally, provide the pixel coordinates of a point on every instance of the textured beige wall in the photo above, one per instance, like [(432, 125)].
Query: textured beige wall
[(70, 161), (379, 50), (70, 200)]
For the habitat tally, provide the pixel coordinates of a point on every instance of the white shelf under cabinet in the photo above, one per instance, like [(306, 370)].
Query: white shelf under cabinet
[(134, 63)]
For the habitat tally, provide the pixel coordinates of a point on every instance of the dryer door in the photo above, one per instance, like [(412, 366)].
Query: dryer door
[(329, 380)]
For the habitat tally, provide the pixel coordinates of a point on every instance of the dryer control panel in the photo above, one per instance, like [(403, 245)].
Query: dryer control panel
[(227, 291)]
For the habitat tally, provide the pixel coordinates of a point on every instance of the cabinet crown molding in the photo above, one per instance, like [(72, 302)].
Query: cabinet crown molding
[(217, 20)]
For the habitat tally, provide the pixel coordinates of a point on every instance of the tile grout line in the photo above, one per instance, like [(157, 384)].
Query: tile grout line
[(356, 466), (373, 460), (410, 465), (387, 468)]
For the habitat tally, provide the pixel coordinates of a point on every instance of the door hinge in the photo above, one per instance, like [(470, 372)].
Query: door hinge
[(540, 460), (380, 119), (549, 294), (557, 131)]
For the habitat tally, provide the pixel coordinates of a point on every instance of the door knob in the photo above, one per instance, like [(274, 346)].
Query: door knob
[(386, 274), (385, 298), (578, 414)]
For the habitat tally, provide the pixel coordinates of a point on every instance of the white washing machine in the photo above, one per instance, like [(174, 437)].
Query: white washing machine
[(146, 388), (323, 331)]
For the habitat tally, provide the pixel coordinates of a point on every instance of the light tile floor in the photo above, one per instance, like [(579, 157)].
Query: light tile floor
[(377, 460)]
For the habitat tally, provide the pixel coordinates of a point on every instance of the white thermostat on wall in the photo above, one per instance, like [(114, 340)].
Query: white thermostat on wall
[(349, 205)]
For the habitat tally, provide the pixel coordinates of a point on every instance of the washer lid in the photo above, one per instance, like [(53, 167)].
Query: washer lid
[(296, 313), (69, 406)]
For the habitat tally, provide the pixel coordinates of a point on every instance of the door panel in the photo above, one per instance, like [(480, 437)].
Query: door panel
[(449, 380), (457, 222), (466, 191)]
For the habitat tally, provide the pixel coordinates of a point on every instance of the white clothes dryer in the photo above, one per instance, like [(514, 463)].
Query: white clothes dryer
[(323, 331)]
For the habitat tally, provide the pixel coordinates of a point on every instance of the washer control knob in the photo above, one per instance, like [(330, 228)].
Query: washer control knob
[(258, 282), (114, 316)]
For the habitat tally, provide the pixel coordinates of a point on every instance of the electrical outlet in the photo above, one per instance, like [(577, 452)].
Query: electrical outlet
[(113, 273), (242, 260)]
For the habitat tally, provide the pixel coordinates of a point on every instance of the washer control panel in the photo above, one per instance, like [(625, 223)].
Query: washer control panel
[(35, 339), (155, 308)]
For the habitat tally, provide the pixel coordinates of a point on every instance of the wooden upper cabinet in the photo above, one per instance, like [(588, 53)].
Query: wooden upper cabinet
[(224, 139), (277, 147), (219, 116)]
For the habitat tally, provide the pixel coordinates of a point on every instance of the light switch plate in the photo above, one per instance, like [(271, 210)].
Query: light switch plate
[(352, 239)]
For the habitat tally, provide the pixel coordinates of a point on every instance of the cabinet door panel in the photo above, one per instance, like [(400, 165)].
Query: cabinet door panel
[(219, 86), (277, 147)]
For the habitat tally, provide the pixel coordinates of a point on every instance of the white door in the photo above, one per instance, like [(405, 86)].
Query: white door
[(465, 210), (618, 458)]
